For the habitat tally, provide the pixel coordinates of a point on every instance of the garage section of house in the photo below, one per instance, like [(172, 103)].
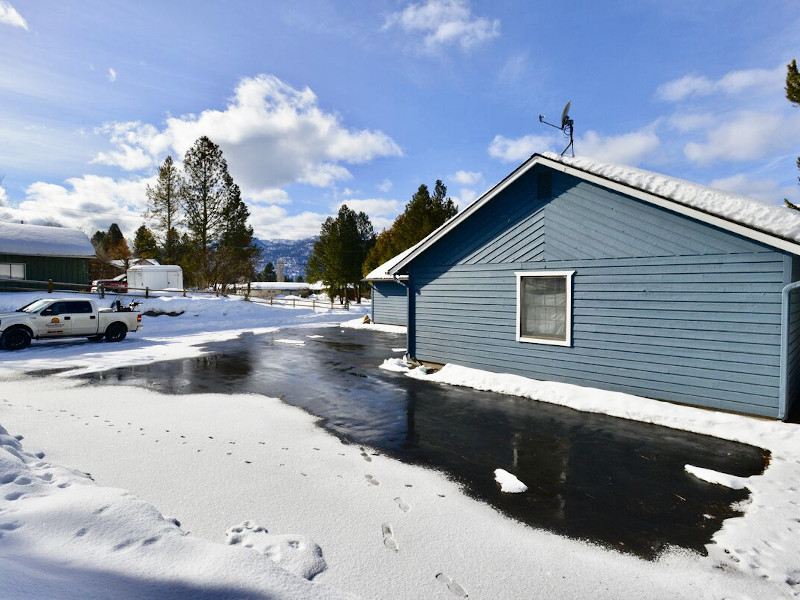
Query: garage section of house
[(389, 293), (35, 253), (582, 272)]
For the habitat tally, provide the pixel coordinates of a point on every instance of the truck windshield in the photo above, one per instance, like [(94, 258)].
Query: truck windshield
[(35, 306)]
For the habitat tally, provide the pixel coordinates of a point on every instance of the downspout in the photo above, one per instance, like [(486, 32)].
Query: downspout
[(371, 301), (408, 312), (783, 400)]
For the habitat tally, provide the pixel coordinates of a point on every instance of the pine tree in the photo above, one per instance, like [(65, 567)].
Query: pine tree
[(234, 253), (163, 206), (793, 83), (268, 273), (145, 244), (423, 214), (205, 197), (793, 96), (113, 238), (338, 256)]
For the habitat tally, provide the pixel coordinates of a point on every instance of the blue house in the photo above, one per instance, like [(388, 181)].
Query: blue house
[(389, 293), (578, 271)]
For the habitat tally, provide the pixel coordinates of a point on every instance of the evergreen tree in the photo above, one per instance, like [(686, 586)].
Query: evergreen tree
[(268, 273), (145, 244), (113, 238), (98, 240), (793, 83), (205, 198), (235, 252), (338, 255), (793, 96), (109, 246), (163, 206), (423, 214)]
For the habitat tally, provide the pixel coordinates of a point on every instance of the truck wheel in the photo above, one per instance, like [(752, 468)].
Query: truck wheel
[(116, 332), (16, 339)]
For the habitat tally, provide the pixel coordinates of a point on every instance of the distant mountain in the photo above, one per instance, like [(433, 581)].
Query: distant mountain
[(294, 253)]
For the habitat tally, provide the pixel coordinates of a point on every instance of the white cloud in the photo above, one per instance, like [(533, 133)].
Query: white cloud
[(3, 196), (10, 16), (374, 207), (112, 75), (514, 69), (274, 223), (464, 198), (270, 196), (384, 186), (732, 83), (271, 135), (445, 22), (627, 148), (138, 145), (467, 177), (89, 203), (515, 150), (768, 190), (749, 135), (691, 121)]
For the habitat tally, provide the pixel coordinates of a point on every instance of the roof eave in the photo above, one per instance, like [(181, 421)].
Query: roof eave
[(649, 197), (455, 221), (664, 202)]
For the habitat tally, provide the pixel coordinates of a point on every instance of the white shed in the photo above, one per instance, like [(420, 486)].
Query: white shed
[(155, 277)]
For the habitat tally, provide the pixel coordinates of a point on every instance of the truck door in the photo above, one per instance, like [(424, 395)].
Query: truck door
[(54, 321), (81, 314)]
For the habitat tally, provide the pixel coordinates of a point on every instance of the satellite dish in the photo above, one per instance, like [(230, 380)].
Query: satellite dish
[(565, 115), (566, 127)]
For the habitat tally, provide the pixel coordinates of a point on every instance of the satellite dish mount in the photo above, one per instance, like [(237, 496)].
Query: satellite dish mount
[(566, 127)]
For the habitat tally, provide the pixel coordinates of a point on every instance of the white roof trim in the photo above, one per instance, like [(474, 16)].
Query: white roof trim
[(672, 205), (383, 272), (445, 228)]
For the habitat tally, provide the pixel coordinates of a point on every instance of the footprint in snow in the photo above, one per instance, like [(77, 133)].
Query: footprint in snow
[(453, 586), (388, 538), (297, 554), (402, 504), (371, 480)]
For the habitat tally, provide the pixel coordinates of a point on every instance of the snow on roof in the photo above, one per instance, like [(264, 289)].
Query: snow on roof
[(134, 262), (774, 225), (37, 240), (381, 272), (770, 218)]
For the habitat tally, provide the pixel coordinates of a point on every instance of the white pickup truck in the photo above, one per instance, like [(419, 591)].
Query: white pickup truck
[(67, 317)]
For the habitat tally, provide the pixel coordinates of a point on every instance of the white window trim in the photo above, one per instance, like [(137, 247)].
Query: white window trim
[(534, 340)]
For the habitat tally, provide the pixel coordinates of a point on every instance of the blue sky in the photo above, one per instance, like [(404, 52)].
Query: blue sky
[(317, 103)]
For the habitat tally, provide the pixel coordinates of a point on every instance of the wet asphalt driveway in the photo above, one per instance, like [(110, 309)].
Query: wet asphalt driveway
[(618, 483)]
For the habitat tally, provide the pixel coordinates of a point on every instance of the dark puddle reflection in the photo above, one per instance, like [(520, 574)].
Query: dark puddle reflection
[(618, 483)]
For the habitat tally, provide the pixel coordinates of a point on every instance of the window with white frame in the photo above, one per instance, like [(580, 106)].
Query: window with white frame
[(12, 271), (544, 307)]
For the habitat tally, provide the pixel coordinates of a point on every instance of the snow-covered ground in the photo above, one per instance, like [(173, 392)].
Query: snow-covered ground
[(265, 498)]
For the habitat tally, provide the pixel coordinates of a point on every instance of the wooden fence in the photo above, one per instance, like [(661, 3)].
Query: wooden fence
[(50, 287)]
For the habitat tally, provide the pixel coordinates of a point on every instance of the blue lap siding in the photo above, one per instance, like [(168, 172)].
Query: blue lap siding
[(664, 306), (389, 303)]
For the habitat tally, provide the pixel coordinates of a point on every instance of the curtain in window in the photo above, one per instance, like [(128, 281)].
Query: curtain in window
[(544, 308)]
